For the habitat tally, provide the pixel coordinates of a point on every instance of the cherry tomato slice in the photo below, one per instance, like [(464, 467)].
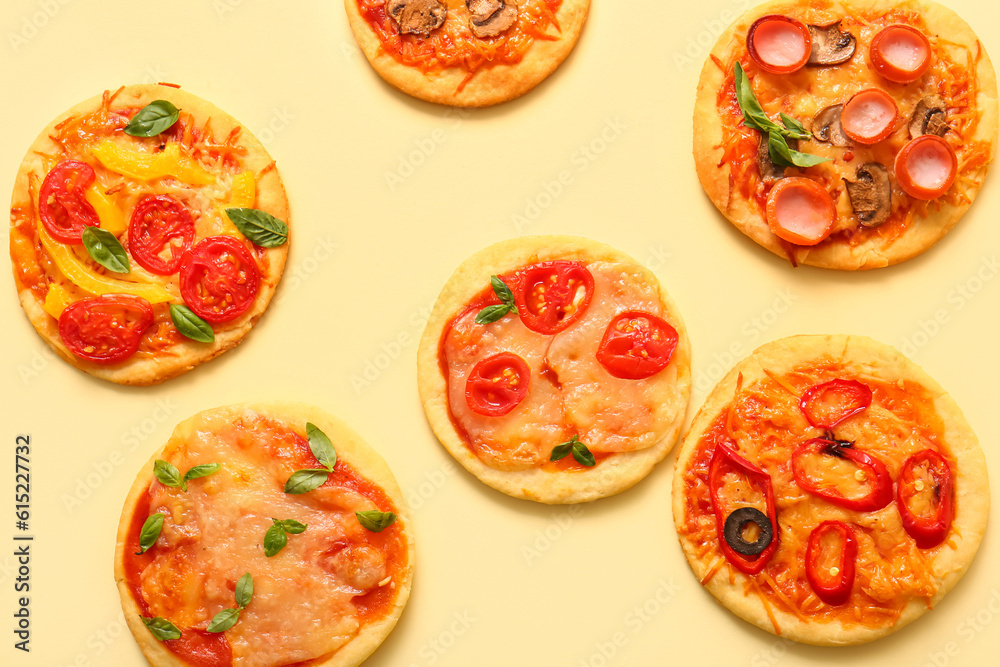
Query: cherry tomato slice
[(800, 211), (869, 116), (924, 498), (200, 648), (497, 384), (550, 296), (64, 210), (926, 167), (832, 584), (160, 231), (779, 44), (725, 460), (105, 329), (900, 53), (636, 345), (219, 278), (870, 471), (830, 403)]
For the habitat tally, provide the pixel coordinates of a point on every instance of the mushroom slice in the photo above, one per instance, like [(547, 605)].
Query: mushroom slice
[(826, 126), (491, 17), (870, 194), (769, 171), (417, 17), (830, 45), (930, 116)]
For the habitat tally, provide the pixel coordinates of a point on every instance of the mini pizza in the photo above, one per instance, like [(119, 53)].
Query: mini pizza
[(846, 134), (466, 53), (555, 369), (148, 233), (829, 490), (262, 536)]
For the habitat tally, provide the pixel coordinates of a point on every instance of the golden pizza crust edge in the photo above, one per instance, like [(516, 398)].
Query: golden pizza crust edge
[(270, 197), (349, 445), (613, 475), (872, 253), (489, 86), (971, 484)]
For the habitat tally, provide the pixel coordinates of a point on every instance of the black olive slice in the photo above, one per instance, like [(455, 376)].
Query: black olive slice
[(735, 524)]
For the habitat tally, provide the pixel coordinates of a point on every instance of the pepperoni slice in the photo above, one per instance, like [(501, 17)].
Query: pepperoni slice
[(900, 53), (800, 211), (869, 117), (779, 44), (926, 167)]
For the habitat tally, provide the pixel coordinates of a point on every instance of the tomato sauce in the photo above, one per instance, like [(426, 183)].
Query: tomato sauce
[(454, 45), (763, 419)]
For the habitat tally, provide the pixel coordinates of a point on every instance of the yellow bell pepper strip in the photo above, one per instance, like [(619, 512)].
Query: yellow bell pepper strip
[(111, 216), (244, 192), (243, 195), (86, 279), (56, 300), (150, 166)]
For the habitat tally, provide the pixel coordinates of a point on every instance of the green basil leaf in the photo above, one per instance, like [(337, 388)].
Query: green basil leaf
[(161, 628), (244, 590), (168, 475), (303, 481), (190, 325), (260, 227), (794, 129), (293, 526), (783, 156), (150, 532), (560, 452), (155, 117), (224, 620), (503, 293), (275, 539), (321, 446), (492, 313), (204, 470), (105, 249), (753, 113), (375, 521), (583, 455)]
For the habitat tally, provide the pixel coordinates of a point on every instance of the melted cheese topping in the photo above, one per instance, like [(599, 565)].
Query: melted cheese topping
[(454, 45), (78, 137), (765, 422), (803, 94), (307, 599), (570, 392)]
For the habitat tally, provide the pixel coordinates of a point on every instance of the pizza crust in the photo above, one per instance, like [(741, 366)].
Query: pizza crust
[(270, 198), (747, 217), (614, 474), (350, 447), (971, 490), (490, 85)]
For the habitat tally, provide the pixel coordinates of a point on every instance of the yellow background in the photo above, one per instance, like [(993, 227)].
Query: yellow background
[(388, 195)]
